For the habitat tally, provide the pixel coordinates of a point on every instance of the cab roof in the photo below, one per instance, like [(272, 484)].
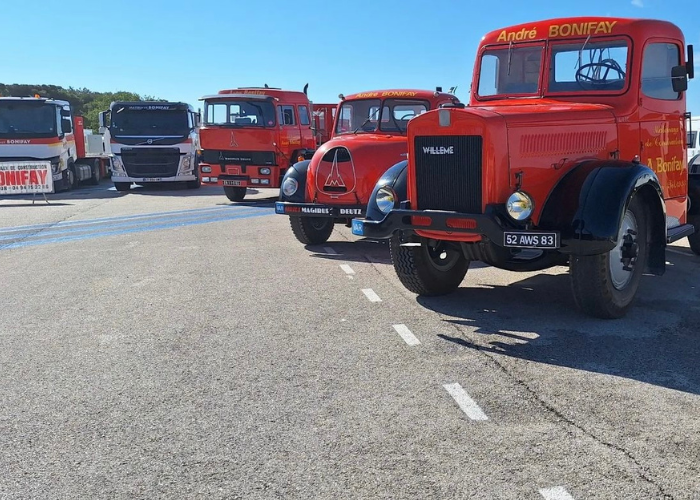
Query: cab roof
[(36, 99), (290, 96), (582, 27), (430, 95)]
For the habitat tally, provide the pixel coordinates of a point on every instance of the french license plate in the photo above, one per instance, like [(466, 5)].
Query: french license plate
[(530, 239), (151, 179), (233, 183)]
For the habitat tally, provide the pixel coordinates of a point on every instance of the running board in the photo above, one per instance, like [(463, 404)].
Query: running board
[(678, 232)]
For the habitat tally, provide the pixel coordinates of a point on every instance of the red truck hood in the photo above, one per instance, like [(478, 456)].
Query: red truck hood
[(345, 169), (237, 139)]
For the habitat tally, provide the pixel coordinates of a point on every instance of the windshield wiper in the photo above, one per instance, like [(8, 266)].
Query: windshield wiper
[(369, 119), (510, 55), (580, 52)]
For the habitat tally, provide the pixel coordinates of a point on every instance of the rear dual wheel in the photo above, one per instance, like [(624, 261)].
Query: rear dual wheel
[(605, 285)]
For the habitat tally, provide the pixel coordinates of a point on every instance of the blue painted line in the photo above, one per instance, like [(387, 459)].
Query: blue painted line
[(140, 229), (50, 231), (106, 219)]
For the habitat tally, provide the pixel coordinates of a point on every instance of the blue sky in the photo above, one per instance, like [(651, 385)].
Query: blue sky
[(182, 50)]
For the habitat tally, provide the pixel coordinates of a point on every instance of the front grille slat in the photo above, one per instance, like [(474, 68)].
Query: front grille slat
[(151, 162), (448, 173)]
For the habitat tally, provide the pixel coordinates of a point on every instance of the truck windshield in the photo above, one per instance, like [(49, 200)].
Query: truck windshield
[(240, 113), (370, 115), (510, 70), (585, 66), (28, 119), (143, 122)]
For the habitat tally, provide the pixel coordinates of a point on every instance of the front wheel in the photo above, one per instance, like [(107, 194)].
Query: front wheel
[(122, 186), (428, 267), (96, 173), (195, 184), (312, 230), (235, 193), (604, 285)]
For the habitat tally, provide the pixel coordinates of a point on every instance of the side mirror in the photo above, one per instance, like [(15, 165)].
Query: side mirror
[(690, 63), (65, 113), (679, 78), (66, 126), (101, 119)]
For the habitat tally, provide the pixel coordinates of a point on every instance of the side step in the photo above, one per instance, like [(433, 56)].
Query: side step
[(678, 232)]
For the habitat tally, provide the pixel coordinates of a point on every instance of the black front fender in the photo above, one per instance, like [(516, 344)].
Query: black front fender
[(297, 172), (588, 204), (394, 178)]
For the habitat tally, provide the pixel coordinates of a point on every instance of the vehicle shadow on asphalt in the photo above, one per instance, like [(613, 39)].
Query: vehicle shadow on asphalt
[(376, 252), (535, 319)]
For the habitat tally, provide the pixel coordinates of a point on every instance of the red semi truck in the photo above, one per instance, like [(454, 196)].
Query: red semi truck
[(571, 152), (250, 136), (370, 136)]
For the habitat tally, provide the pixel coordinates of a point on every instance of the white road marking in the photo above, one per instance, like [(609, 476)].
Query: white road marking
[(347, 269), (330, 251), (406, 335), (556, 493), (466, 403), (369, 293)]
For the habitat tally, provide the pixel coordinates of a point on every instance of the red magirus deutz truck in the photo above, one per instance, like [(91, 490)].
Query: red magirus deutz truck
[(369, 137), (572, 151)]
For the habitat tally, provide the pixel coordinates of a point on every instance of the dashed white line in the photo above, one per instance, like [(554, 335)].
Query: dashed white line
[(330, 251), (347, 269), (556, 493), (406, 335), (466, 403), (369, 293)]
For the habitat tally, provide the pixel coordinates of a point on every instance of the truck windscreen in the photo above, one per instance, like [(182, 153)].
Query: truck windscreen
[(240, 113), (28, 119), (135, 122)]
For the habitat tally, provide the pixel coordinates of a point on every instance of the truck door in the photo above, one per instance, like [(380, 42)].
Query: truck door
[(307, 134), (290, 135), (662, 124)]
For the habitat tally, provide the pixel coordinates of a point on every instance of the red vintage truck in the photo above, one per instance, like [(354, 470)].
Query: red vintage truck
[(571, 152), (250, 136), (335, 184)]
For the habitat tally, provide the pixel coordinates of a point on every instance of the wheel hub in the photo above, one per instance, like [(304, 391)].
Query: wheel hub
[(623, 258)]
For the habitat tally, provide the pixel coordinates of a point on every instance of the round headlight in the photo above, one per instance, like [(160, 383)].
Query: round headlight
[(264, 171), (290, 186), (519, 206), (206, 170), (385, 199)]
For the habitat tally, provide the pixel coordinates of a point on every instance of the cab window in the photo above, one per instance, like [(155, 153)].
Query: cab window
[(304, 115), (659, 59), (287, 115)]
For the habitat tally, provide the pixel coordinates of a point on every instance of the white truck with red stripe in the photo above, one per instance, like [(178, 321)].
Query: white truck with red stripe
[(42, 129), (153, 142)]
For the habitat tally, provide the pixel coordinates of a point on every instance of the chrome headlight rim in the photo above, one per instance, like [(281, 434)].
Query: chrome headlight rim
[(265, 171), (206, 170), (290, 186), (385, 199), (520, 206)]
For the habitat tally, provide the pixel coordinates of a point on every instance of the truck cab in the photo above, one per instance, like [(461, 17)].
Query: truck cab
[(369, 138), (152, 142), (572, 151), (251, 136), (39, 128)]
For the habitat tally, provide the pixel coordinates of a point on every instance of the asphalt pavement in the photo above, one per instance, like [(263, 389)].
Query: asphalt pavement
[(166, 343)]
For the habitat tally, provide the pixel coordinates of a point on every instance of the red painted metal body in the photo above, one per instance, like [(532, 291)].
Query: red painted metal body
[(345, 169), (540, 134), (252, 152)]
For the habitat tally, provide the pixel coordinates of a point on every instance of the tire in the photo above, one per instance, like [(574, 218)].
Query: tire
[(312, 230), (426, 269), (694, 239), (195, 184), (122, 186), (72, 177), (96, 174), (235, 193), (601, 287)]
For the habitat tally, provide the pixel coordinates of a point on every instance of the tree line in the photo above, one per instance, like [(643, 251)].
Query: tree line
[(85, 102)]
